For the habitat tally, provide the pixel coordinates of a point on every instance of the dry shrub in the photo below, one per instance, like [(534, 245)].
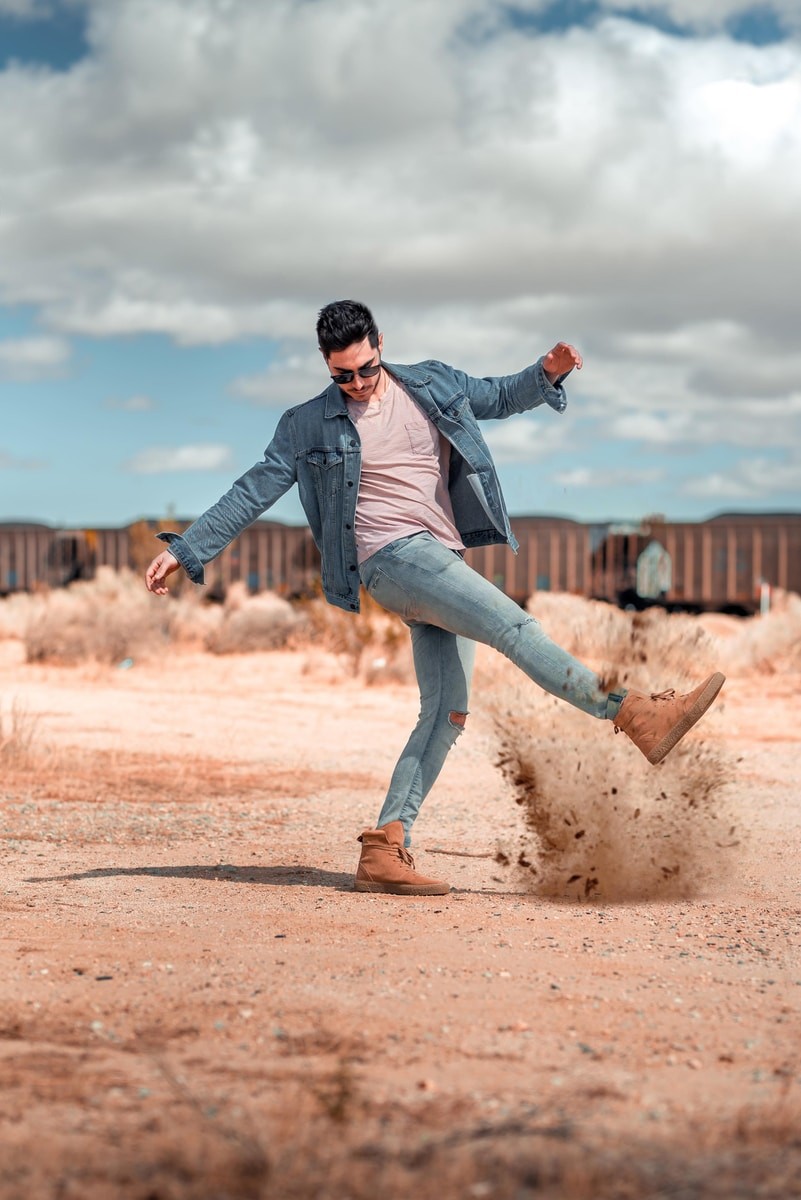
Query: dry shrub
[(664, 647), (192, 622), (764, 644), (16, 612), (18, 730), (586, 628), (373, 643), (108, 619), (600, 821), (250, 623), (113, 618), (660, 649)]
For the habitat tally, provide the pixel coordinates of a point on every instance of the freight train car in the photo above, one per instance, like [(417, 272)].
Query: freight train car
[(35, 555), (23, 556), (726, 564), (268, 556), (553, 556)]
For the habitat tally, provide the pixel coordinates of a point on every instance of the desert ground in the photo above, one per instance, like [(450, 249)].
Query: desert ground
[(195, 1004)]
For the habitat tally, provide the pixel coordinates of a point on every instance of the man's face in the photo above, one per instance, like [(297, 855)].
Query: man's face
[(359, 354)]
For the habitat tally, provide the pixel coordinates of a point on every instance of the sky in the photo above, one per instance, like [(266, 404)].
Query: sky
[(186, 182)]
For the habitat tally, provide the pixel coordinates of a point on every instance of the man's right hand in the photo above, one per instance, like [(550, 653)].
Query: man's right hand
[(162, 565), (560, 361)]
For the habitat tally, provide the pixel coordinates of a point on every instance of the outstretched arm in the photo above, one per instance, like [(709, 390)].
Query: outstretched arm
[(496, 397), (251, 495)]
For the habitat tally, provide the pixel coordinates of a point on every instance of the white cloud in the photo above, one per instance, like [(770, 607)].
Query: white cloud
[(168, 459), (749, 479), (527, 438), (31, 358), (257, 162), (216, 170), (25, 9), (289, 380), (602, 477)]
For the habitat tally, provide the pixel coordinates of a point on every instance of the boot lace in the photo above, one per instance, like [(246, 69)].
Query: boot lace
[(405, 856)]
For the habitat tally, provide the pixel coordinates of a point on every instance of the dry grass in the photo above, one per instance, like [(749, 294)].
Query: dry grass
[(112, 618), (74, 775), (374, 644), (18, 732), (764, 645), (106, 620)]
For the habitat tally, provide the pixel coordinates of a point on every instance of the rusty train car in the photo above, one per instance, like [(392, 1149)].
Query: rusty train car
[(723, 564), (729, 563)]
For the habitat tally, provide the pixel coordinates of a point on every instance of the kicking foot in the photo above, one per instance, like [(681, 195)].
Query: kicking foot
[(656, 723)]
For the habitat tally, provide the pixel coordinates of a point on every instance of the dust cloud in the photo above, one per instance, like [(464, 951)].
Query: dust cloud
[(600, 823)]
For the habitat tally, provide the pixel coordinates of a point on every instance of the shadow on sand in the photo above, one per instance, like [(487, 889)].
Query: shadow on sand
[(277, 876)]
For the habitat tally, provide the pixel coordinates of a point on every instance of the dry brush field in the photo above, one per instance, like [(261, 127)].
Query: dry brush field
[(194, 1004)]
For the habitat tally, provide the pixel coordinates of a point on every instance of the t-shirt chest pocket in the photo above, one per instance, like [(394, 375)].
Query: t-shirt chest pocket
[(422, 437)]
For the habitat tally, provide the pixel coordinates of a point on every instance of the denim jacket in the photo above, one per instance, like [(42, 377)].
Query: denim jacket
[(317, 447)]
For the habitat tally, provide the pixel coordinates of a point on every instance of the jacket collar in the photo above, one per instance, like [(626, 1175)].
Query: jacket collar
[(415, 376), (335, 405)]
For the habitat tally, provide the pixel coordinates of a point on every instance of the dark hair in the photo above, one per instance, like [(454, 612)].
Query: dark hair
[(343, 322)]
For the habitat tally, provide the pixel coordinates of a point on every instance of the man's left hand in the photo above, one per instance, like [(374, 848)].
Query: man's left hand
[(560, 361)]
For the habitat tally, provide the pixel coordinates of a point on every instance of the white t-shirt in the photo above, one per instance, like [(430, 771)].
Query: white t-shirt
[(404, 477)]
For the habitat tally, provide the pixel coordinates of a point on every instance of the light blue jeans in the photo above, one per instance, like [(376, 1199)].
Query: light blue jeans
[(449, 607)]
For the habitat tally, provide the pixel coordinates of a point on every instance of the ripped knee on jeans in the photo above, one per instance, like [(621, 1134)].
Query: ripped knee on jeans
[(457, 719)]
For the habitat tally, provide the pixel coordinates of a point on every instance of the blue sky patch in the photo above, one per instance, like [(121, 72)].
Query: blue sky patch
[(759, 26), (57, 41), (561, 15)]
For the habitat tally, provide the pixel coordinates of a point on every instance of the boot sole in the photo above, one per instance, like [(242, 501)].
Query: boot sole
[(693, 715), (387, 889)]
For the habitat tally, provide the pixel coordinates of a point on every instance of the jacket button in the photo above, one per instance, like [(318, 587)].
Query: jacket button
[(351, 568), (353, 608), (347, 526), (350, 483)]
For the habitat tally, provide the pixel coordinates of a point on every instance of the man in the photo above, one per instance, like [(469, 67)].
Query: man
[(396, 482)]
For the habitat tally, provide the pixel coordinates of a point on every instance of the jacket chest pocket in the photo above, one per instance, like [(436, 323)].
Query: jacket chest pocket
[(323, 458)]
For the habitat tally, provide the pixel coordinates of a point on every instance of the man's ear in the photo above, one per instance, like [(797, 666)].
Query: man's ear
[(380, 344)]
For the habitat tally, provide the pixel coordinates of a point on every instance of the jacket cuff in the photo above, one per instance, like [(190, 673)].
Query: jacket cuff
[(190, 562), (553, 393)]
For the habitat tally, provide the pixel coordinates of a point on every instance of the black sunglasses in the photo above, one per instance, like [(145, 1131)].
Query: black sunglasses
[(363, 372)]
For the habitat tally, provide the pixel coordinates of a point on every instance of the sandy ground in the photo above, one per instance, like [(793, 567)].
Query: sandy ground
[(195, 1003)]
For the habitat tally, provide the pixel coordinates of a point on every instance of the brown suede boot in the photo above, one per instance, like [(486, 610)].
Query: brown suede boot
[(657, 722), (387, 866)]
